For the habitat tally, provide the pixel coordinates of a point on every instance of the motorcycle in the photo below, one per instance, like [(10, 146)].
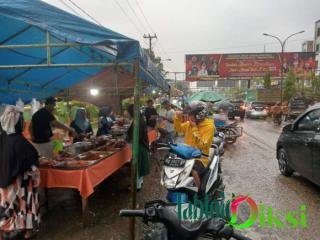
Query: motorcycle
[(231, 131), (173, 228), (219, 140), (176, 176)]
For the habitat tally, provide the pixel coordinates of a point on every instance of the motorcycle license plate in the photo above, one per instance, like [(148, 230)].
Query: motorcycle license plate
[(174, 162)]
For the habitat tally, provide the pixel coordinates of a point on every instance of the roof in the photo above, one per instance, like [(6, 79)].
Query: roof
[(315, 106), (74, 41)]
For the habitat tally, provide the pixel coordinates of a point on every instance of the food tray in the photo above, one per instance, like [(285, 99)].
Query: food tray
[(94, 155), (73, 165)]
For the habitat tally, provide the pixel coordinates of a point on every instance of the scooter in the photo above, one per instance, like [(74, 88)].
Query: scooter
[(231, 131), (174, 228), (219, 140), (176, 176)]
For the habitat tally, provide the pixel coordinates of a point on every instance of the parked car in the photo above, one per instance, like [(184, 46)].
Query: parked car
[(239, 109), (257, 110), (298, 147), (297, 105)]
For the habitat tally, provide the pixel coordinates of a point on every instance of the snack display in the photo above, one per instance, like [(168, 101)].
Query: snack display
[(84, 154)]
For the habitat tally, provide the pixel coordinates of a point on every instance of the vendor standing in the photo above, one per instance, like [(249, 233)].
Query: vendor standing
[(41, 128), (82, 125)]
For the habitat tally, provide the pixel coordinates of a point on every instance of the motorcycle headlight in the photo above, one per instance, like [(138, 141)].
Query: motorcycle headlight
[(170, 183)]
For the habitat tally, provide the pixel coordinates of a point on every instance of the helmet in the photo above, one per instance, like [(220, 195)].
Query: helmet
[(198, 109)]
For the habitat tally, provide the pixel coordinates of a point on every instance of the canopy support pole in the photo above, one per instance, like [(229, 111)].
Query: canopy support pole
[(135, 145), (48, 48), (116, 75)]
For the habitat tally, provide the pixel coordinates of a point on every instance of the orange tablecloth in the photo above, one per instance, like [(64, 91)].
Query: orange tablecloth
[(85, 179), (152, 136)]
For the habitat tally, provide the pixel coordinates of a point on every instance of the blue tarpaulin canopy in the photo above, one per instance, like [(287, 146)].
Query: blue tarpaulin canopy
[(52, 50)]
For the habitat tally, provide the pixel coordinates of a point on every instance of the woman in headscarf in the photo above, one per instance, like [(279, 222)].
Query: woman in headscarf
[(143, 165), (19, 178), (82, 125), (105, 121)]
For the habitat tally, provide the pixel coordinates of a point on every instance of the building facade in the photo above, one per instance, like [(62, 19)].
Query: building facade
[(317, 45), (307, 46)]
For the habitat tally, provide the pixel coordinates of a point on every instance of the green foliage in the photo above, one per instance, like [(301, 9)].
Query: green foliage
[(65, 113), (267, 80), (62, 112), (316, 86), (290, 86)]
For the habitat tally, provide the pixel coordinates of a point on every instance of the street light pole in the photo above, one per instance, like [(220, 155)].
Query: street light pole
[(282, 43)]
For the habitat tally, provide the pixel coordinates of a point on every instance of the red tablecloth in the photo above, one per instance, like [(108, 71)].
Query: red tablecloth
[(85, 179)]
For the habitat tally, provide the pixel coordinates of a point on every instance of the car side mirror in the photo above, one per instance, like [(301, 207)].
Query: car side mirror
[(289, 128)]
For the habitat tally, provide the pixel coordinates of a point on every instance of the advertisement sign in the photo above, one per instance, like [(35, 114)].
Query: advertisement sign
[(247, 65)]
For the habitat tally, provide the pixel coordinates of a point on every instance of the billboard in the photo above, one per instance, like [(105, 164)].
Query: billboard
[(247, 65)]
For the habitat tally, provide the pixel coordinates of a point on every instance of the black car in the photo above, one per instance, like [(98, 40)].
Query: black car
[(298, 147), (239, 109)]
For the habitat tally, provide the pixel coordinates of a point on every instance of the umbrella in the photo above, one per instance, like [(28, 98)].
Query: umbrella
[(207, 96)]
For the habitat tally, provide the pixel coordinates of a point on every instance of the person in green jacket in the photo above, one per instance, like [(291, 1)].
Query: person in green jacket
[(143, 165)]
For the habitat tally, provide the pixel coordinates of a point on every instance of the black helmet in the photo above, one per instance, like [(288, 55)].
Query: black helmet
[(198, 109)]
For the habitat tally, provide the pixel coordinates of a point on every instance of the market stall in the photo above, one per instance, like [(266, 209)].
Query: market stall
[(45, 50)]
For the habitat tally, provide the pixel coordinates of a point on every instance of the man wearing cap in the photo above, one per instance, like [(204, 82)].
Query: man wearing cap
[(41, 128)]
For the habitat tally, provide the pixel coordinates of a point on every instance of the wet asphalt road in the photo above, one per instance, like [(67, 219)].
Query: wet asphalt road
[(250, 168)]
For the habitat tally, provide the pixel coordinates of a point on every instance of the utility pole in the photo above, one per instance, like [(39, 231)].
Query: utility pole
[(150, 40)]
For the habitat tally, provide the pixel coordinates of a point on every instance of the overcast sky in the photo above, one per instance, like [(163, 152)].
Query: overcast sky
[(204, 26)]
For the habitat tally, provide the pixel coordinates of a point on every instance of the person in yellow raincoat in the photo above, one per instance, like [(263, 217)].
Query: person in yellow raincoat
[(198, 132)]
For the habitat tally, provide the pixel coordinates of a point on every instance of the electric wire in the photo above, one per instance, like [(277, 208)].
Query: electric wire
[(85, 12)]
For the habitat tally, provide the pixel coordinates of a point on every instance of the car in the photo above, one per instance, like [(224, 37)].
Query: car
[(298, 147), (239, 109), (297, 105), (257, 110)]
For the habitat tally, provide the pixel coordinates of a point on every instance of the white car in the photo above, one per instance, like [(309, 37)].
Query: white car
[(257, 110)]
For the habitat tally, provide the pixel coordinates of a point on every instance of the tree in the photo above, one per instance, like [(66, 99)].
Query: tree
[(267, 80), (316, 86), (289, 86)]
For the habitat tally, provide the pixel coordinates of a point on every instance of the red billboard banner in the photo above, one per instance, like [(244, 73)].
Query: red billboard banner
[(247, 65)]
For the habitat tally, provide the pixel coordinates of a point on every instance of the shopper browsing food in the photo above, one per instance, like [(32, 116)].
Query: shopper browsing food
[(82, 125), (19, 178)]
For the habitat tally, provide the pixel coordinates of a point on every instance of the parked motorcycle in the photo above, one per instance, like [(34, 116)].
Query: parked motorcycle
[(219, 140), (174, 228), (231, 131), (176, 176)]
